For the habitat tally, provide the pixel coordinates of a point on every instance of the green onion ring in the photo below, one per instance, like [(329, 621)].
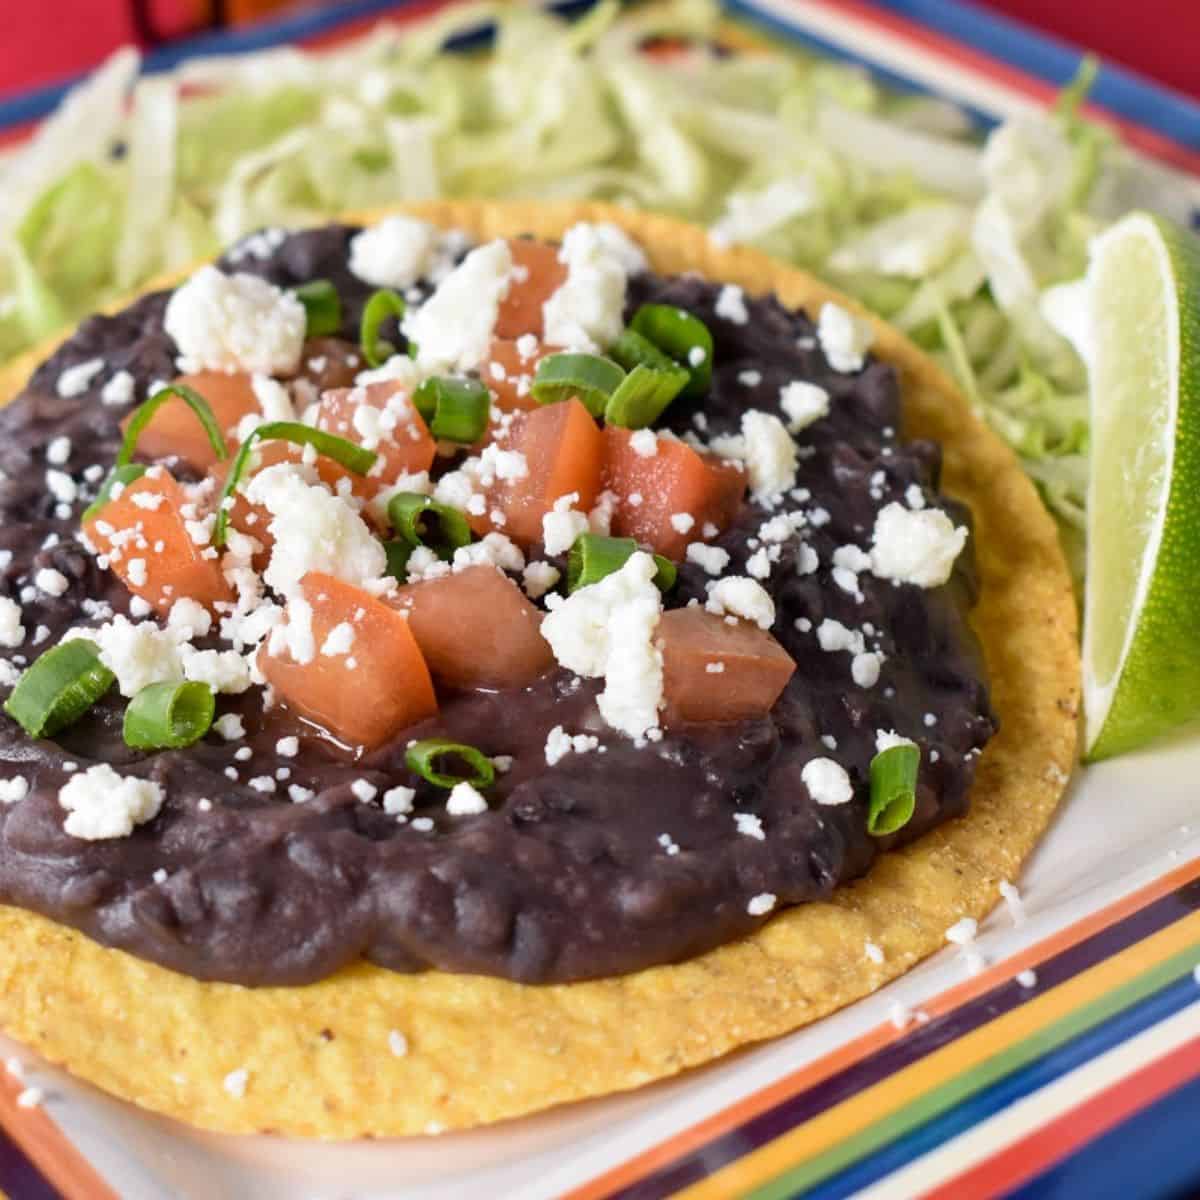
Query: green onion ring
[(398, 553), (456, 410), (588, 377), (144, 413), (381, 305), (893, 788), (345, 453), (631, 350), (59, 688), (678, 334), (422, 757), (421, 521), (594, 555), (169, 716), (643, 395), (322, 307)]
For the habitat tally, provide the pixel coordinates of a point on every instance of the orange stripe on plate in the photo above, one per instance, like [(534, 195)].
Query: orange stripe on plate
[(54, 1154), (861, 1047), (1069, 1131)]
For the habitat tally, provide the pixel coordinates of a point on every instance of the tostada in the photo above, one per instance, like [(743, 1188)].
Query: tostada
[(487, 655)]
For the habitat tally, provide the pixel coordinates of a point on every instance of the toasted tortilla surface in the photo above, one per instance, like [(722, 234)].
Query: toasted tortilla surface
[(484, 1049)]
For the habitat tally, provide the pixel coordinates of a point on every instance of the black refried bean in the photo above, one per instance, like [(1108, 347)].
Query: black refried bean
[(568, 875)]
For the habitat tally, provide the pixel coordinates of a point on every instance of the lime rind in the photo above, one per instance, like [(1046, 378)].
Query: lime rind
[(1141, 649)]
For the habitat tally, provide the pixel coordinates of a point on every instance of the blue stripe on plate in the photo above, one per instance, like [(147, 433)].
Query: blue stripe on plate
[(1116, 89), (1153, 1155), (975, 1109)]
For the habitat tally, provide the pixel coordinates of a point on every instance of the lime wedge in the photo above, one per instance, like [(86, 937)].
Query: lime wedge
[(1141, 645)]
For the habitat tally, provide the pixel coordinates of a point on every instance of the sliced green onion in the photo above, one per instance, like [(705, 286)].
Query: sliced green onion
[(398, 553), (322, 307), (421, 521), (428, 759), (124, 476), (59, 688), (683, 337), (145, 412), (382, 304), (168, 716), (593, 556), (345, 453), (631, 350), (643, 395), (588, 377), (456, 410), (893, 788)]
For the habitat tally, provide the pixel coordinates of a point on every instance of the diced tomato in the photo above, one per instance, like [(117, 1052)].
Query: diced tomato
[(143, 532), (521, 310), (753, 667), (176, 430), (392, 428), (505, 647), (563, 451), (676, 479), (367, 695)]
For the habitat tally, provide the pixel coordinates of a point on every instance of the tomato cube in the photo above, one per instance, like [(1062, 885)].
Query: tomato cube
[(505, 647), (144, 534), (521, 310), (175, 431), (674, 480), (365, 683), (717, 671)]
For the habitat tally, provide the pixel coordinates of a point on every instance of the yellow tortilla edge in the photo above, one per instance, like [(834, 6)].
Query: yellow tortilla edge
[(482, 1050)]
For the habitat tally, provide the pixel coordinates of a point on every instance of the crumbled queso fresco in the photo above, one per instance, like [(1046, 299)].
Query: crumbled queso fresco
[(475, 668)]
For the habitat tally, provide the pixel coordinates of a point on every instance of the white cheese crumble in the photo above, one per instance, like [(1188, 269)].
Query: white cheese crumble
[(731, 304), (845, 338), (230, 727), (225, 671), (749, 825), (118, 390), (76, 380), (761, 904), (12, 632), (235, 1082), (682, 522), (767, 450), (287, 747), (314, 531), (802, 404), (58, 451), (607, 630), (398, 801), (394, 252), (1012, 898), (102, 804), (915, 547), (453, 328), (138, 653), (827, 781), (644, 443), (465, 801), (397, 1043), (1028, 977), (14, 789), (563, 524), (559, 743), (739, 596), (30, 1097), (587, 311), (711, 558), (364, 790), (873, 952), (885, 739), (538, 578), (62, 487), (234, 323)]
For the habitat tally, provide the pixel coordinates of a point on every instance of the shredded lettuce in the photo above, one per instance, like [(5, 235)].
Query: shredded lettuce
[(968, 244)]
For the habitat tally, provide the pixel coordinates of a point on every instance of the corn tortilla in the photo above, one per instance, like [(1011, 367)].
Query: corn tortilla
[(482, 1049)]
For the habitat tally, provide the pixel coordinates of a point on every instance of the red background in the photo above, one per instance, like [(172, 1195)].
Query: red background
[(1160, 38)]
